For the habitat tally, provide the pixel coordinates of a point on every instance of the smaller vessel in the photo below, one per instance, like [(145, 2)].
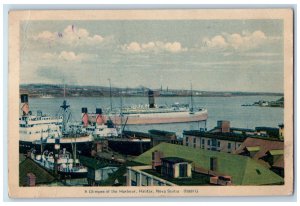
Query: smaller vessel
[(65, 164), (46, 96)]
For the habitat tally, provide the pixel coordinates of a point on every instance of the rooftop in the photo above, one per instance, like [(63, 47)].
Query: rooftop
[(197, 178), (95, 163), (264, 145), (279, 162), (241, 129), (243, 170), (276, 152), (175, 159), (227, 136), (218, 135), (253, 149), (29, 166)]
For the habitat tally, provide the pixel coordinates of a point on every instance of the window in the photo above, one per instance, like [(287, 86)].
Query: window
[(183, 170), (213, 142), (208, 142), (133, 183), (194, 140), (229, 146), (219, 144), (203, 141)]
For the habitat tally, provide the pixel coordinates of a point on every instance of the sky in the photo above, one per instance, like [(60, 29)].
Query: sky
[(212, 55)]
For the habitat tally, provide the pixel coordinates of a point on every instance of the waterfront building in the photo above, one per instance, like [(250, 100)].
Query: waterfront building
[(224, 138), (207, 168), (138, 176), (270, 132), (98, 170), (221, 142)]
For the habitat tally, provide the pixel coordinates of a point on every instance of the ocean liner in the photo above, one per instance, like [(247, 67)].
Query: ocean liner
[(36, 127), (42, 129), (154, 114)]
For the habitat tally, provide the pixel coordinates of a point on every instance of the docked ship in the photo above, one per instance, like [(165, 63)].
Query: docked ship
[(154, 114), (42, 129), (36, 127), (101, 129), (94, 124), (65, 164)]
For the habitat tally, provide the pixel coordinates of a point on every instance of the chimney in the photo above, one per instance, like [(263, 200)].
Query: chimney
[(85, 117), (151, 99), (31, 179), (156, 158), (224, 126), (99, 117), (213, 164), (24, 104)]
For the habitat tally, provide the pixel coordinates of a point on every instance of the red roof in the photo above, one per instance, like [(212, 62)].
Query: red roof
[(279, 162), (265, 146)]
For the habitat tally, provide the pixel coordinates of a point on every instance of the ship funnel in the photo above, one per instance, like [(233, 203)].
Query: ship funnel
[(84, 110), (151, 99), (24, 104), (99, 117), (24, 98), (85, 117), (98, 111)]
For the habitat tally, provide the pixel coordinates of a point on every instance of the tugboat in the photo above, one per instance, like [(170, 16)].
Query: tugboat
[(62, 163)]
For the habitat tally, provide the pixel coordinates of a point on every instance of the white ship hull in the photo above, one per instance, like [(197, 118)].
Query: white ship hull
[(38, 132), (159, 118)]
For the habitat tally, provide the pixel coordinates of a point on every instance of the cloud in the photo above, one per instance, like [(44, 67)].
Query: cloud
[(158, 46), (71, 35), (66, 56), (236, 41), (55, 75)]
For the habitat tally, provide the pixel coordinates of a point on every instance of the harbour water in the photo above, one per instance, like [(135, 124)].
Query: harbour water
[(219, 108)]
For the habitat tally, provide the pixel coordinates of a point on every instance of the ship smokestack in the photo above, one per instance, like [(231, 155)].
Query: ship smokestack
[(151, 99), (85, 117), (99, 117), (24, 104)]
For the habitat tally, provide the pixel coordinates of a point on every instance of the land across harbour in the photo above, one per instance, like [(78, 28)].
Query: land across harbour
[(219, 108), (50, 91)]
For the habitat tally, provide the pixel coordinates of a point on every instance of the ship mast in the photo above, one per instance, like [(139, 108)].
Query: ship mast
[(110, 96), (192, 102), (64, 106)]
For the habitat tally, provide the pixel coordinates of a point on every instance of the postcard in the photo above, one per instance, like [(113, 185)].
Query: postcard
[(150, 103)]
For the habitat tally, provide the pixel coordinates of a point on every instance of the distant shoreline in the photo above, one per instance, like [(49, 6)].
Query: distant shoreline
[(56, 91)]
